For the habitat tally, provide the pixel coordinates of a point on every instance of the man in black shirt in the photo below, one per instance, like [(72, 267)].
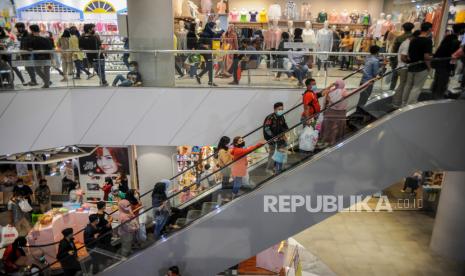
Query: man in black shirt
[(23, 37), (90, 233), (274, 125), (237, 60), (420, 54), (444, 68), (23, 190), (91, 41), (42, 66)]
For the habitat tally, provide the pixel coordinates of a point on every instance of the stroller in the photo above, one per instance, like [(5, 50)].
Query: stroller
[(6, 75)]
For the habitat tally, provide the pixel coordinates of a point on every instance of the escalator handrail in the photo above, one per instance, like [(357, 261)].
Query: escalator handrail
[(353, 92)]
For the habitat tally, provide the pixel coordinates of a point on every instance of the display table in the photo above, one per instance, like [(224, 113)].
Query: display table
[(51, 233)]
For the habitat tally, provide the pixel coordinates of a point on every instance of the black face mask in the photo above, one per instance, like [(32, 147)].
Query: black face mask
[(241, 145)]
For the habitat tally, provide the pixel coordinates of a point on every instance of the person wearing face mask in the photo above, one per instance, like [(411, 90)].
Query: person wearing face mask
[(173, 271), (128, 228), (274, 128), (67, 253), (104, 226), (14, 257), (224, 159), (133, 78), (18, 218), (161, 208), (310, 102), (23, 190), (239, 167), (43, 196), (91, 41)]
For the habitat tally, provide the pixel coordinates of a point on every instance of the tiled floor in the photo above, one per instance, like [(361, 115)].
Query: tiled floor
[(394, 243)]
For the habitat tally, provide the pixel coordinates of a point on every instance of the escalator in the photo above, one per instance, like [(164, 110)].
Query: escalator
[(217, 231)]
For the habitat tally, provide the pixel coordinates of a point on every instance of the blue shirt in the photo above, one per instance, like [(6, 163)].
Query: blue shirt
[(371, 69)]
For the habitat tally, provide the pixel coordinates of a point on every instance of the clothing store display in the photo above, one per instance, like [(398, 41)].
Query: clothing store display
[(308, 36), (324, 40), (290, 10), (272, 37), (305, 11), (344, 18), (233, 16), (354, 17), (262, 16), (333, 17), (274, 12), (322, 17), (377, 29), (366, 19), (387, 26), (253, 16), (243, 16), (206, 6)]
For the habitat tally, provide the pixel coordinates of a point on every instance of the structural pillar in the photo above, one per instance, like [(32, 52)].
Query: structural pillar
[(448, 237), (151, 27)]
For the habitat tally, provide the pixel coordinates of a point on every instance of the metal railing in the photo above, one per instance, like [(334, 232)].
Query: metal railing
[(259, 68)]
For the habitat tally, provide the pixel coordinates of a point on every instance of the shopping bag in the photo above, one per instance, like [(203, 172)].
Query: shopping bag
[(142, 234), (25, 206), (308, 139), (8, 235), (279, 156)]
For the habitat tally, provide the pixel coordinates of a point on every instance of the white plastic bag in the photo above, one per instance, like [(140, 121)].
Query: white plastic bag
[(8, 235), (25, 206), (308, 139)]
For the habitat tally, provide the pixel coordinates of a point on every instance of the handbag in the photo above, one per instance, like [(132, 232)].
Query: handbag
[(24, 206), (279, 156)]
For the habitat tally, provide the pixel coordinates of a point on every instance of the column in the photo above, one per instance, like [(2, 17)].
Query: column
[(151, 27), (448, 237)]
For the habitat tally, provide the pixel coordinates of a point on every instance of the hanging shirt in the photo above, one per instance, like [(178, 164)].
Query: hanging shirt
[(322, 17), (243, 16), (290, 12), (233, 16), (333, 17), (253, 16), (274, 12), (262, 18)]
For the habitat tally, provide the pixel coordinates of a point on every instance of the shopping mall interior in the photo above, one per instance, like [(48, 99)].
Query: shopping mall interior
[(232, 137)]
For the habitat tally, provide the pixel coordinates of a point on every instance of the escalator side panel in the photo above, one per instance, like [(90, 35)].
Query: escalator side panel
[(369, 161)]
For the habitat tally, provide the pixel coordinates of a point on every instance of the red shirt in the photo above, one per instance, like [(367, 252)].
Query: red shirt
[(9, 259), (311, 104), (239, 168)]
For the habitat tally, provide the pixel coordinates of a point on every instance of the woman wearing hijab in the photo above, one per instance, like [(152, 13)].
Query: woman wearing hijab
[(161, 208), (128, 228), (334, 122)]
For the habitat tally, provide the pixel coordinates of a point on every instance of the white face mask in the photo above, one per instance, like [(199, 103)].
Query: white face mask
[(20, 185)]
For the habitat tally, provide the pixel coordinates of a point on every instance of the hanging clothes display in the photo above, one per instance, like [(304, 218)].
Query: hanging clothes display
[(366, 19), (324, 38), (290, 12), (272, 37), (253, 16), (221, 7), (243, 16), (309, 37), (322, 17), (305, 11), (206, 6), (354, 17), (333, 17), (274, 12), (344, 18), (233, 16), (262, 16)]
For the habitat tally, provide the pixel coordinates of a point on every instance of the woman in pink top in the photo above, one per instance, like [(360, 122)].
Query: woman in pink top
[(239, 167), (334, 122)]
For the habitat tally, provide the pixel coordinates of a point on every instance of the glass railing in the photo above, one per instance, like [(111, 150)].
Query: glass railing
[(209, 195), (190, 68)]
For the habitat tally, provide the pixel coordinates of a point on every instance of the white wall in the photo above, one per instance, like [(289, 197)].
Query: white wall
[(153, 164), (33, 120)]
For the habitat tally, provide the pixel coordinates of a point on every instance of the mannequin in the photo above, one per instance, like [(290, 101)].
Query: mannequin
[(274, 11), (308, 35), (262, 16), (233, 15), (228, 42), (324, 38), (253, 15), (376, 29), (333, 17), (177, 7), (221, 7), (391, 37), (366, 18), (181, 36), (344, 17), (290, 27), (206, 6), (272, 36), (243, 15), (354, 17), (322, 16), (305, 11), (387, 26)]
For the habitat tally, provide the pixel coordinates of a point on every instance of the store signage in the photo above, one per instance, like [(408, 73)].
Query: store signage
[(297, 45)]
